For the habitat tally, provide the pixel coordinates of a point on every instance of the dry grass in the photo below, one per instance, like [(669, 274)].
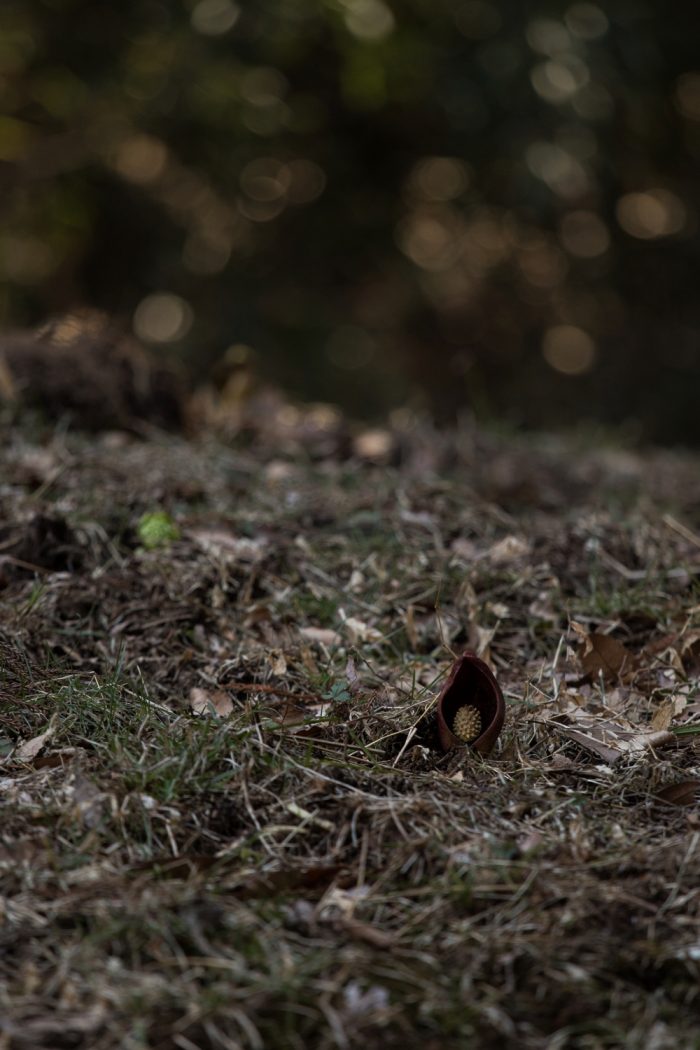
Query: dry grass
[(304, 868)]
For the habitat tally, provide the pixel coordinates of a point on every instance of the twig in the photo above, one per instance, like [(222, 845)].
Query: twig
[(681, 529)]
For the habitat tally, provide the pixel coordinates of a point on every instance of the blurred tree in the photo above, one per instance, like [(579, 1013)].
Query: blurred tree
[(464, 202)]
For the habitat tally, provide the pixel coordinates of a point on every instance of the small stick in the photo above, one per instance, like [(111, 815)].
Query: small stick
[(681, 529)]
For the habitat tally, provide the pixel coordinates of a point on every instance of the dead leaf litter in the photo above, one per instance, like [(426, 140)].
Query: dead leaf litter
[(225, 816)]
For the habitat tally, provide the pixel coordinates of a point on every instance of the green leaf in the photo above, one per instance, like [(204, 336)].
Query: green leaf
[(157, 529)]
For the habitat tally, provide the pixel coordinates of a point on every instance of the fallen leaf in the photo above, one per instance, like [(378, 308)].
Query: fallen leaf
[(224, 545), (667, 711), (510, 548), (295, 715), (278, 662), (279, 470), (374, 444), (592, 742), (322, 636), (360, 631), (313, 878), (684, 793), (204, 703), (690, 652), (663, 716), (352, 677), (611, 739), (602, 654), (356, 581), (31, 748), (62, 756)]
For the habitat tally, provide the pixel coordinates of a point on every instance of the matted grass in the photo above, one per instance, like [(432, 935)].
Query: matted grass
[(298, 865)]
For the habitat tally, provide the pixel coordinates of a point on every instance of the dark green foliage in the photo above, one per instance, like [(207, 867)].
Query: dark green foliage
[(273, 166)]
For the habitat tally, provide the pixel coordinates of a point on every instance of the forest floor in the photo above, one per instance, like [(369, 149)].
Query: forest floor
[(224, 819)]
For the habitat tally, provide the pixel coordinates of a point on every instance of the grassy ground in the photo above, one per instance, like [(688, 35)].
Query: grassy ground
[(224, 821)]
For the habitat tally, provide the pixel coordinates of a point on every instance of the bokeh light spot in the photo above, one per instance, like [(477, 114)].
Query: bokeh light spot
[(141, 159), (547, 36), (584, 234), (261, 210), (307, 181), (654, 213), (162, 318), (426, 237), (559, 81), (543, 265), (369, 20), (214, 17), (556, 167), (586, 21), (265, 179), (207, 251), (568, 349), (440, 178)]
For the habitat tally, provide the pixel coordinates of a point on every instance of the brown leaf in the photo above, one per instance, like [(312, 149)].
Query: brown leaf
[(591, 742), (352, 677), (64, 756), (690, 652), (204, 703), (322, 635), (610, 740), (667, 711), (315, 878), (510, 548), (663, 716), (277, 662), (31, 748), (359, 631), (294, 716), (603, 654), (684, 793), (224, 545)]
